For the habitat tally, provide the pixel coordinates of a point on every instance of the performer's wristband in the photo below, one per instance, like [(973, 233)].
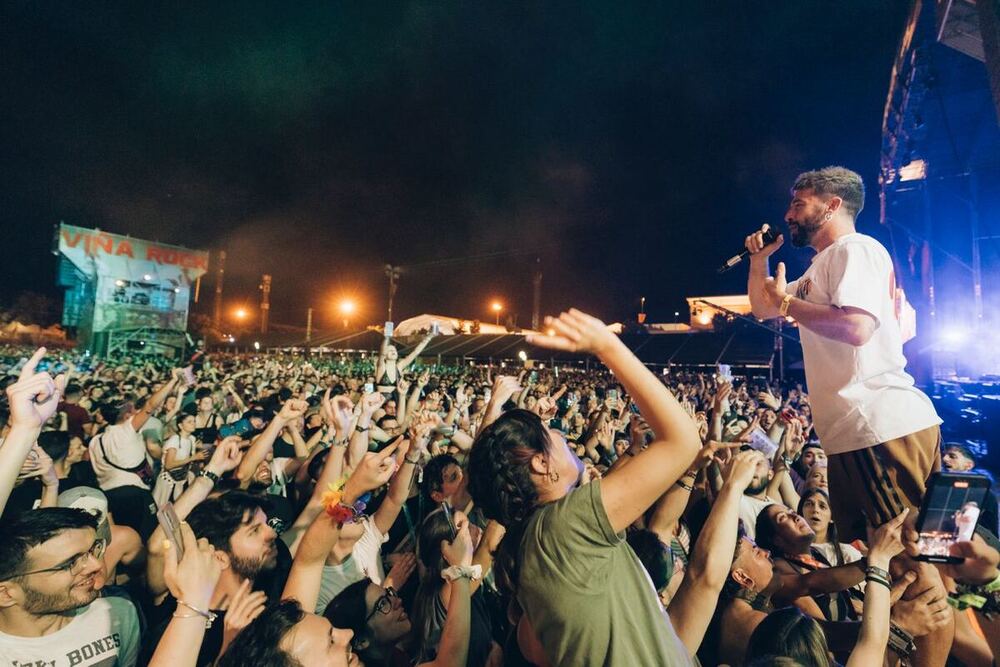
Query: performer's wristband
[(785, 303)]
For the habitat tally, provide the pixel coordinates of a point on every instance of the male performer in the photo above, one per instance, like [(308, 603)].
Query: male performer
[(881, 433)]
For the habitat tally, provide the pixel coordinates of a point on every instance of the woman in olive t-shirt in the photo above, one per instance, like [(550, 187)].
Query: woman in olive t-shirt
[(584, 593)]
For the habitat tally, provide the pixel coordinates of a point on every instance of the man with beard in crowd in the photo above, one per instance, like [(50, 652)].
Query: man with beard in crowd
[(235, 523), (51, 573)]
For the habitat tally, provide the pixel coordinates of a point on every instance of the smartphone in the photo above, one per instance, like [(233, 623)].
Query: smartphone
[(389, 328), (726, 373), (171, 526), (487, 394), (949, 514), (533, 377), (189, 378), (760, 441), (451, 522), (613, 398), (240, 428), (633, 407)]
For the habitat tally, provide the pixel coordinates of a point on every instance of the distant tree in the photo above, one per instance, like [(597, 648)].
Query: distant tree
[(34, 308)]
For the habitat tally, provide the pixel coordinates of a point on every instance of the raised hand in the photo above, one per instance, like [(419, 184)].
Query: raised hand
[(374, 470), (34, 397), (886, 541), (293, 409), (245, 606), (401, 570), (739, 471), (755, 244), (575, 331), (193, 579), (371, 402), (709, 452), (769, 399), (226, 457), (504, 387), (458, 551)]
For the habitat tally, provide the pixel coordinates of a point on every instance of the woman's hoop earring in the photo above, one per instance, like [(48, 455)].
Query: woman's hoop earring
[(554, 476)]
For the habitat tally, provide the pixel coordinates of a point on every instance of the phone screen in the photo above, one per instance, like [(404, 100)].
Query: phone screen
[(949, 514), (369, 387), (388, 329), (172, 527), (189, 375)]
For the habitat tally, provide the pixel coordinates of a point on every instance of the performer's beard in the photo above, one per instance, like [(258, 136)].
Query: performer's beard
[(803, 231)]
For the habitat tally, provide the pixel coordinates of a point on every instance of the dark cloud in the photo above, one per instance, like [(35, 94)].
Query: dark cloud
[(622, 144)]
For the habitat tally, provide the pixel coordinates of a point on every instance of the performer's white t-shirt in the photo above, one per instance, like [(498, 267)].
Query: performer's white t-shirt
[(860, 396)]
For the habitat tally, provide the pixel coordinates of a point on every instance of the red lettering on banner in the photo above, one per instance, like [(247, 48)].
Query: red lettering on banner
[(73, 241), (125, 248), (185, 260), (104, 242)]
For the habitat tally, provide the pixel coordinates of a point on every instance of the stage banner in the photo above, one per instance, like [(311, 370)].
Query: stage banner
[(96, 253)]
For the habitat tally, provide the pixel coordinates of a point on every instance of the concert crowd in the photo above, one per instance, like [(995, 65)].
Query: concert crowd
[(293, 509)]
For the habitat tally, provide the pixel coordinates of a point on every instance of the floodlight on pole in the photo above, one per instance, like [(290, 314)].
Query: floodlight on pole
[(496, 307)]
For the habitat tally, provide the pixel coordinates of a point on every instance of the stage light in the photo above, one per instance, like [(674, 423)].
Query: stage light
[(954, 335), (120, 283), (347, 306), (522, 355), (256, 346), (146, 276), (241, 314)]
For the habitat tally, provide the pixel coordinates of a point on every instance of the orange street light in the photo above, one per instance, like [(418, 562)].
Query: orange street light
[(347, 308), (241, 313)]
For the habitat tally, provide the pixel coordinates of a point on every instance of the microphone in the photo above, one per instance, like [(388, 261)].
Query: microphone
[(770, 236)]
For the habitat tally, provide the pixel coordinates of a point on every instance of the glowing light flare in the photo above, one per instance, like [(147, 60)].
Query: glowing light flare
[(522, 355), (240, 313), (347, 307), (954, 335), (496, 306)]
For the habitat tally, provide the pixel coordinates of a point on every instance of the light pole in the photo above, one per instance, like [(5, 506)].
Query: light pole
[(496, 307)]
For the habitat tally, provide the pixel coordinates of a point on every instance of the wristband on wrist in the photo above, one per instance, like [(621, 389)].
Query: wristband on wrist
[(362, 430), (209, 475), (407, 459), (687, 487), (878, 580), (873, 570), (785, 303), (901, 641), (473, 572)]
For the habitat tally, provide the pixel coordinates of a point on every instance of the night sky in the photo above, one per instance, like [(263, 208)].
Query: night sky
[(629, 145)]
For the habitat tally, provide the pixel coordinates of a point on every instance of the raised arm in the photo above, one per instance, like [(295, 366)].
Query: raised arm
[(692, 607), (760, 273), (264, 443), (874, 635), (453, 649), (33, 400), (154, 402), (192, 580), (225, 458), (307, 568), (405, 362), (630, 490)]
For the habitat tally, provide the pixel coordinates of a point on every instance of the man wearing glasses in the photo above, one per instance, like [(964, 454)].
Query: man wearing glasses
[(51, 573)]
